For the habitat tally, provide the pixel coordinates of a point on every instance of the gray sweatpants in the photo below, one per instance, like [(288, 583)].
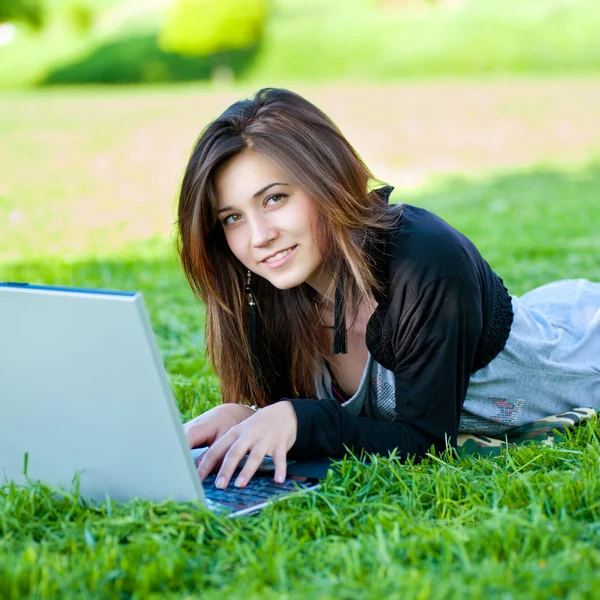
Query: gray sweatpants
[(550, 364)]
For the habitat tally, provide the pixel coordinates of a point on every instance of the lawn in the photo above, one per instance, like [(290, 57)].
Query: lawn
[(87, 192)]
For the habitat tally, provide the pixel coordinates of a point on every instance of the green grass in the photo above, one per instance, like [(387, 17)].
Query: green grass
[(315, 41), (523, 525), (96, 210)]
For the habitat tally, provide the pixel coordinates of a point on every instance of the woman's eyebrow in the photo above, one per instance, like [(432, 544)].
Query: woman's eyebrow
[(261, 191)]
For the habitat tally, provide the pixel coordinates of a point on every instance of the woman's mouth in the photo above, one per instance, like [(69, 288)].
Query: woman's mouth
[(280, 258)]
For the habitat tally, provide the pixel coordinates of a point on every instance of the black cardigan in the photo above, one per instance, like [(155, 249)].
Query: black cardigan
[(443, 315)]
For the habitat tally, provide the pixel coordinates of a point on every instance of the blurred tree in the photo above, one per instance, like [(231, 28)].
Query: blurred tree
[(204, 27), (80, 16), (27, 11)]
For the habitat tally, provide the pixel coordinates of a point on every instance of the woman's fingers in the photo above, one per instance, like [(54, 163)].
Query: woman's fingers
[(232, 459), (259, 434), (280, 461), (252, 463), (214, 455)]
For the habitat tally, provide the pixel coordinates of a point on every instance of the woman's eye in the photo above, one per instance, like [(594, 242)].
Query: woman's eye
[(230, 219), (276, 198)]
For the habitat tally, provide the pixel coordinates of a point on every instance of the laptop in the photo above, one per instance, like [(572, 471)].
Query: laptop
[(84, 392)]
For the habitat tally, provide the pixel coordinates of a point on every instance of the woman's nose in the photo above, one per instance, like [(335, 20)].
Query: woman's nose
[(262, 231)]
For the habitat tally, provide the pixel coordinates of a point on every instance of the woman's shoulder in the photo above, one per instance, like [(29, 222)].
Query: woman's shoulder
[(435, 274), (423, 248)]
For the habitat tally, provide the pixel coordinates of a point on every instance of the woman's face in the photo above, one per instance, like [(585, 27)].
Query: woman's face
[(269, 221)]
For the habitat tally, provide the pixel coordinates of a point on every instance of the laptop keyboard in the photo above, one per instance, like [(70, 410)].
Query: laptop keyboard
[(258, 490)]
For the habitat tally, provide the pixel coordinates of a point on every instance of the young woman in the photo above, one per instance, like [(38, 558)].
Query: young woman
[(336, 321)]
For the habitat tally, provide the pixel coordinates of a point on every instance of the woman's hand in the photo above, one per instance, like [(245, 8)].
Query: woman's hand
[(208, 427), (269, 432)]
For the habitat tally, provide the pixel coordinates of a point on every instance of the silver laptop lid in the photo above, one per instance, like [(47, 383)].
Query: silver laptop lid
[(83, 389)]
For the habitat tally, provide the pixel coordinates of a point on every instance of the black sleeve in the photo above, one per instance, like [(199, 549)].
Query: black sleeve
[(434, 343), (325, 428)]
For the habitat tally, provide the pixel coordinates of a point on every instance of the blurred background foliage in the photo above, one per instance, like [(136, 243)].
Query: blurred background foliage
[(134, 41), (203, 27), (30, 12)]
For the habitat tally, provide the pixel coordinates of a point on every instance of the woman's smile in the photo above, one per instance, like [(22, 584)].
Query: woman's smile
[(277, 260)]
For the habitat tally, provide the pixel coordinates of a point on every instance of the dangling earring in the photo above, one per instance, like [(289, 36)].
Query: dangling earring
[(249, 289), (251, 319)]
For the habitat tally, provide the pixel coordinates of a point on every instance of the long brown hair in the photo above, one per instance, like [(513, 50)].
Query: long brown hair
[(305, 143)]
